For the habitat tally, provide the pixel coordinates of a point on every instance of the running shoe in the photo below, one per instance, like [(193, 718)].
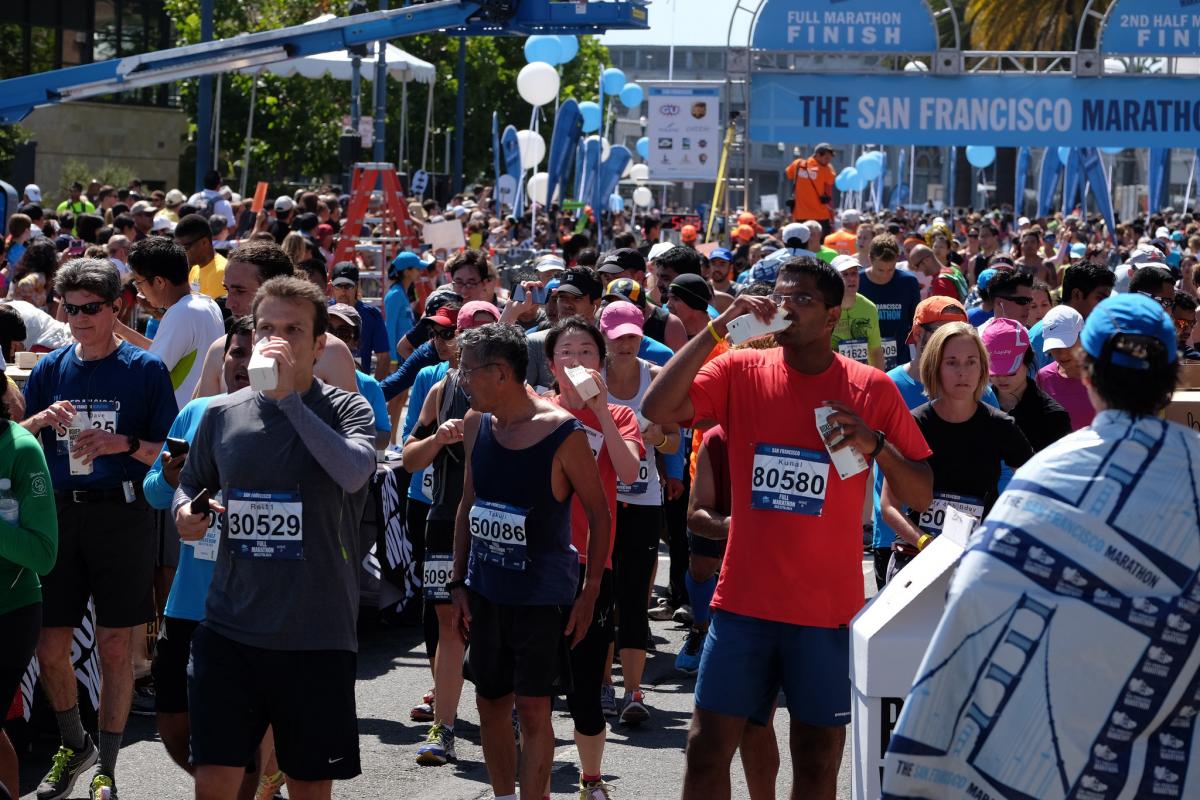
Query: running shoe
[(1104, 751), (662, 612), (593, 790), (423, 711), (1177, 622), (1145, 606), (103, 788), (608, 700), (1093, 785), (1041, 556), (688, 660), (1164, 774), (65, 770), (1156, 653), (438, 748), (1123, 720), (1187, 711), (635, 711), (1139, 686), (683, 615), (1073, 577), (269, 786), (144, 702), (1167, 740)]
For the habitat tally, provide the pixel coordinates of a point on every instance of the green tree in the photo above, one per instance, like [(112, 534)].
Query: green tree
[(1026, 24), (297, 121)]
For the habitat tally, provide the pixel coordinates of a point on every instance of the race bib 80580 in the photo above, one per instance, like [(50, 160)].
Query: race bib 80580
[(789, 479), (265, 524)]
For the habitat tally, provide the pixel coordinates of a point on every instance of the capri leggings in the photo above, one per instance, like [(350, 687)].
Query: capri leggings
[(19, 631), (415, 517), (588, 660), (639, 529)]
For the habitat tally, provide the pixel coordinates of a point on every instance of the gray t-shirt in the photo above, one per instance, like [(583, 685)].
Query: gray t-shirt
[(538, 372), (272, 588)]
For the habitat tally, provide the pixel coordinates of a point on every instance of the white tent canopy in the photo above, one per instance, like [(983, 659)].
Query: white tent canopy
[(400, 65)]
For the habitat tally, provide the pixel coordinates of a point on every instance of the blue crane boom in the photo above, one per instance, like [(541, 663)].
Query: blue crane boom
[(19, 96)]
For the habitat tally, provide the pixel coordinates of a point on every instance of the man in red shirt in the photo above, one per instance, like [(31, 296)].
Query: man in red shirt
[(813, 184), (792, 576)]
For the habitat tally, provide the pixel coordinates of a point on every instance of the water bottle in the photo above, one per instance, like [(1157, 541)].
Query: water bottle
[(10, 511)]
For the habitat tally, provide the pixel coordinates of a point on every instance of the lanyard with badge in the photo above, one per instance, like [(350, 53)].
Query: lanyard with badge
[(789, 479), (499, 533), (265, 524)]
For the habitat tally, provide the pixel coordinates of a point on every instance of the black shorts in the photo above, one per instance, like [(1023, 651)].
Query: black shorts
[(19, 631), (518, 649), (307, 696), (439, 541), (168, 540), (106, 551), (703, 546), (171, 654)]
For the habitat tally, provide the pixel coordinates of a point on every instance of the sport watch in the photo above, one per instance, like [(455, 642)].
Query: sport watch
[(134, 444)]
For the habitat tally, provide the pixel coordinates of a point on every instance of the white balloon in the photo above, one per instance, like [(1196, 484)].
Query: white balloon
[(642, 196), (537, 83), (640, 172), (536, 187), (532, 147)]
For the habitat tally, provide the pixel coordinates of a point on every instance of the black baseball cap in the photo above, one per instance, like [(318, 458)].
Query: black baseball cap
[(345, 274), (625, 259), (580, 281), (693, 290)]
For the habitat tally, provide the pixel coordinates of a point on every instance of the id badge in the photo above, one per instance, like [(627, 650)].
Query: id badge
[(498, 534), (789, 479), (206, 549), (265, 525)]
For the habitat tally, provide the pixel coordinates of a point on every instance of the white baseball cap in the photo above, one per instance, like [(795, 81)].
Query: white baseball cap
[(851, 216), (1147, 254), (844, 263), (162, 224), (657, 250), (284, 203), (1023, 222), (1061, 328), (794, 230), (34, 193)]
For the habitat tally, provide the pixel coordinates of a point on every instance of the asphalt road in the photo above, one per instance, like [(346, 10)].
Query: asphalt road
[(646, 762)]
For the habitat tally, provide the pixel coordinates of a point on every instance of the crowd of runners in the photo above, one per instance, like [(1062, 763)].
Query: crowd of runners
[(562, 424)]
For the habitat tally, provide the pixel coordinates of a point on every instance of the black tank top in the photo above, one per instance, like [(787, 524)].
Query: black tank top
[(450, 462)]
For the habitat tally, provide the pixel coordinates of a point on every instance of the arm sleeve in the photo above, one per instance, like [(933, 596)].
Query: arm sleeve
[(33, 544), (158, 492), (416, 399), (200, 470), (395, 384), (347, 454)]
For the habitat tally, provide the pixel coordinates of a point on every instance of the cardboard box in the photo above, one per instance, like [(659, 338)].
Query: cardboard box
[(1185, 408), (1189, 375)]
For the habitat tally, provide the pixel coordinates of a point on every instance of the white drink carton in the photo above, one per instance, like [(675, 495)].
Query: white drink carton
[(847, 461), (264, 372), (581, 379), (747, 327)]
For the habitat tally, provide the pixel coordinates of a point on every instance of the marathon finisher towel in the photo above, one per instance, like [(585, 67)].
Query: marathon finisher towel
[(1065, 664), (87, 670), (390, 558)]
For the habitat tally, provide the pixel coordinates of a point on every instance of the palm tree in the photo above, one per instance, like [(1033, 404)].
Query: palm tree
[(1026, 24)]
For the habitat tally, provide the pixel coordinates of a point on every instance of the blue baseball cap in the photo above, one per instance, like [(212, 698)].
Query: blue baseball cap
[(405, 261), (984, 278), (720, 253), (1126, 330)]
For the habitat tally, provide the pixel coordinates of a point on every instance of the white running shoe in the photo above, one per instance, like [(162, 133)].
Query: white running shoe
[(1178, 623), (1156, 653), (1041, 556), (1167, 740), (1139, 686), (1145, 606), (1105, 752), (1164, 774), (1092, 784), (1187, 711), (1123, 720), (1008, 537), (1072, 576)]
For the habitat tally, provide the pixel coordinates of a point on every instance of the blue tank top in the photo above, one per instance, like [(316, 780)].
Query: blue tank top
[(521, 551)]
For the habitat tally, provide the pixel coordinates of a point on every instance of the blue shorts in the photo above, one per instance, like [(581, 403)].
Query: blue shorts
[(746, 661)]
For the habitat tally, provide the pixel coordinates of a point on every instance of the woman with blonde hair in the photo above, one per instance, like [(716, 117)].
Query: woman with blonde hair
[(969, 439), (296, 247)]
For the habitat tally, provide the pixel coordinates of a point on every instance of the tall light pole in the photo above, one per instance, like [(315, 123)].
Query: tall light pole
[(204, 103)]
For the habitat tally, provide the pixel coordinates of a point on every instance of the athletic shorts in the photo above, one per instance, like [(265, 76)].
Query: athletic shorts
[(439, 541), (235, 691), (703, 546), (746, 661), (517, 650), (171, 654), (106, 551), (168, 540), (19, 629)]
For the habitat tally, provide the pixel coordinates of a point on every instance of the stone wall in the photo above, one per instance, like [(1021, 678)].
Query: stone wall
[(146, 139)]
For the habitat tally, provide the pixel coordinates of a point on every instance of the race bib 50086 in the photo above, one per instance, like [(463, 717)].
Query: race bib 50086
[(265, 524), (789, 479), (498, 533)]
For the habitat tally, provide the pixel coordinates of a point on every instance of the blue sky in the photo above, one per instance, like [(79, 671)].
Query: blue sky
[(688, 22)]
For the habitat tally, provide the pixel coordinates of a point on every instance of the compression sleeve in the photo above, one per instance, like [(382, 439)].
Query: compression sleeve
[(346, 455)]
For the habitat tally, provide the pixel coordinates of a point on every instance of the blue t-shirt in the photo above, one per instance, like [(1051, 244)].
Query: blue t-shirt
[(978, 315), (189, 589), (913, 393), (395, 384), (1036, 342), (368, 387), (398, 314), (654, 351), (374, 336), (424, 382), (897, 303), (127, 392)]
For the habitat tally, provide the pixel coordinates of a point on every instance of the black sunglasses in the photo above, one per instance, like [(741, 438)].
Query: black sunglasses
[(91, 309), (1021, 301), (445, 334)]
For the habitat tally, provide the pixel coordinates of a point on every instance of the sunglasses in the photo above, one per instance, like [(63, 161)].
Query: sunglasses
[(445, 334), (1021, 301), (90, 309)]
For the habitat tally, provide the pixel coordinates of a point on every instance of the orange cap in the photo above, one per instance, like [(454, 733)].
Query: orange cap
[(688, 233), (744, 232), (746, 218), (936, 309)]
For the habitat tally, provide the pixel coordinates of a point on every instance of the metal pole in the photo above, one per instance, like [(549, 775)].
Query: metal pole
[(428, 122), (380, 92), (355, 92), (249, 136), (460, 116), (216, 156), (204, 102), (403, 126)]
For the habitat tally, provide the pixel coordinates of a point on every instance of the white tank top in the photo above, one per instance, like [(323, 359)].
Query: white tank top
[(646, 490)]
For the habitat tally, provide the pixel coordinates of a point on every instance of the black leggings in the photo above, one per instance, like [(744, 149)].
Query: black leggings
[(638, 531), (416, 514), (19, 631), (588, 660), (677, 540)]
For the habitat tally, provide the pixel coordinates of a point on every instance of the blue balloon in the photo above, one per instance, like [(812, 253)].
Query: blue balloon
[(1112, 151), (631, 95), (847, 180), (643, 147), (980, 156), (591, 116), (857, 182), (869, 165), (616, 203), (568, 47), (612, 80), (543, 48), (1064, 154)]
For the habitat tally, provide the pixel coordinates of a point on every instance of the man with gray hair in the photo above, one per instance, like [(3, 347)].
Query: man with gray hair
[(101, 408)]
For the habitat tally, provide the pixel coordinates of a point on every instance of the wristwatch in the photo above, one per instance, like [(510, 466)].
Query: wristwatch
[(134, 444), (880, 441)]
